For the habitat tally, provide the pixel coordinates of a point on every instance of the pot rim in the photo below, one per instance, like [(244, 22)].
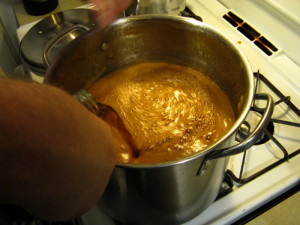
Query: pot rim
[(239, 120), (189, 22)]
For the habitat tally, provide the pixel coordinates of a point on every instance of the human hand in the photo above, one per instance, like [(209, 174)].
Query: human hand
[(109, 10)]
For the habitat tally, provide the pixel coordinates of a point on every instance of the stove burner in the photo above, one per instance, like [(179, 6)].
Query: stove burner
[(266, 134), (245, 129)]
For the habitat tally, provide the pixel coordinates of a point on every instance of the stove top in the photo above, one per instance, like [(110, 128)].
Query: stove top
[(272, 166), (258, 23)]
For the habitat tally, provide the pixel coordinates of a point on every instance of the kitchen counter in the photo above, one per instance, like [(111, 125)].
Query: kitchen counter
[(285, 213)]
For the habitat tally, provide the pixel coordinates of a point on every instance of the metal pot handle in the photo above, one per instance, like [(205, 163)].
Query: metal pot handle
[(252, 138), (57, 38)]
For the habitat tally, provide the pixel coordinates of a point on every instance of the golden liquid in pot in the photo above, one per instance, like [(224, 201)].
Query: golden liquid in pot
[(171, 111)]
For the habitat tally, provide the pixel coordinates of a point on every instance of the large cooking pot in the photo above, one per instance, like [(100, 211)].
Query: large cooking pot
[(176, 191)]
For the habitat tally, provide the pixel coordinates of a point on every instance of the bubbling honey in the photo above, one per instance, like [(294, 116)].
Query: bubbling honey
[(171, 111)]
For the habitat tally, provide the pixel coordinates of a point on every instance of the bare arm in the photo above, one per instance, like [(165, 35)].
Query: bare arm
[(55, 156), (109, 10)]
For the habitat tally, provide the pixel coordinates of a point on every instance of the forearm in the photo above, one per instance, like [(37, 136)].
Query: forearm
[(55, 156), (109, 10)]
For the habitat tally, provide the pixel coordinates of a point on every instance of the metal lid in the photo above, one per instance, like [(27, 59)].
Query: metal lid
[(37, 39)]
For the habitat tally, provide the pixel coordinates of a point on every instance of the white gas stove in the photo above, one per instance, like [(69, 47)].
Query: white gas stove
[(268, 32)]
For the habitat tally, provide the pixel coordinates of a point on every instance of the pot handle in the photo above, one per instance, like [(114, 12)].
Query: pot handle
[(58, 37), (252, 138)]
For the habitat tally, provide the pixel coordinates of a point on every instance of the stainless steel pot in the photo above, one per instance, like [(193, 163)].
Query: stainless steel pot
[(44, 41), (172, 192)]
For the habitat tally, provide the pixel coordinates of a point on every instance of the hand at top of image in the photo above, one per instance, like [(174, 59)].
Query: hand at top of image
[(109, 10)]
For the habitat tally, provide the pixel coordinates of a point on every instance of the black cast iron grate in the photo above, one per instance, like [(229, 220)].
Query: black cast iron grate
[(268, 136)]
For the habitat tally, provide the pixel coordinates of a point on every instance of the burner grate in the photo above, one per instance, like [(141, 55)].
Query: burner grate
[(241, 179)]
